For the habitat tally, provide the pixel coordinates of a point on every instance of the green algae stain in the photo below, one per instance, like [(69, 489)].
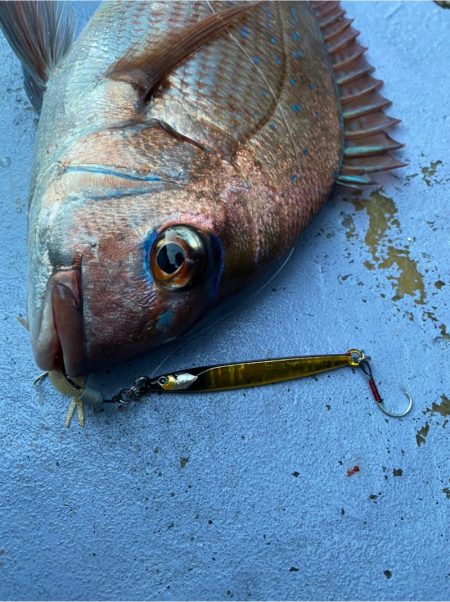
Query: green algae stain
[(428, 173), (422, 433), (442, 408), (409, 280)]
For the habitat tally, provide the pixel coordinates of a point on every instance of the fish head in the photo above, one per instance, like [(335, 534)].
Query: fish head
[(124, 276)]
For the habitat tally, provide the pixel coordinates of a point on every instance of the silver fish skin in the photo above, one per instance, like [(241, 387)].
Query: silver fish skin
[(181, 149)]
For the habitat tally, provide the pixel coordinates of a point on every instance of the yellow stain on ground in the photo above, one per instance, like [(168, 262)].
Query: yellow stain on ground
[(410, 280), (381, 211), (429, 172), (382, 214), (422, 433), (442, 408)]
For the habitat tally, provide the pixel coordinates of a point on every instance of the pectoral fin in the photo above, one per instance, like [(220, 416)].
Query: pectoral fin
[(40, 33), (145, 70)]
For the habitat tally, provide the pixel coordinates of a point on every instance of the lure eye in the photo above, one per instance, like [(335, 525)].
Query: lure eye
[(178, 256)]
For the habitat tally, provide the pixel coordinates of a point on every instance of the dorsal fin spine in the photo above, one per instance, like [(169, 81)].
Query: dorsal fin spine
[(367, 147)]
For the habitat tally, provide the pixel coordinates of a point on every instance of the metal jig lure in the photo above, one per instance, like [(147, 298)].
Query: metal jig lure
[(239, 375)]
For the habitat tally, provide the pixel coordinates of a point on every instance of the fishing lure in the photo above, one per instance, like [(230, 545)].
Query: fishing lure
[(228, 377), (181, 149)]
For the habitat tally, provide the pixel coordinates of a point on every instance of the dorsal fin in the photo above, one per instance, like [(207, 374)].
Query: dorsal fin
[(367, 146), (40, 33), (145, 70)]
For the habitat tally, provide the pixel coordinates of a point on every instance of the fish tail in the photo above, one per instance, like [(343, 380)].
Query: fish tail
[(367, 146), (40, 33)]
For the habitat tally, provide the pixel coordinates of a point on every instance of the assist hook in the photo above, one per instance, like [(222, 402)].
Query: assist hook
[(363, 362)]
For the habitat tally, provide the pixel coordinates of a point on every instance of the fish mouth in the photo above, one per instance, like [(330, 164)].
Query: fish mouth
[(60, 345)]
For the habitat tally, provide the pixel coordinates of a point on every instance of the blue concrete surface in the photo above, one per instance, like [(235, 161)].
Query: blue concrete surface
[(245, 495)]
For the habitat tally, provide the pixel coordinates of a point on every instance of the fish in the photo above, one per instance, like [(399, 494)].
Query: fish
[(182, 147)]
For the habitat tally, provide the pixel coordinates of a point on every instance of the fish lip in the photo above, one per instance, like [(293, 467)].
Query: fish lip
[(60, 345)]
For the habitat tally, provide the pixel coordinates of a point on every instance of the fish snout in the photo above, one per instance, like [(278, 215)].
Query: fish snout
[(60, 343)]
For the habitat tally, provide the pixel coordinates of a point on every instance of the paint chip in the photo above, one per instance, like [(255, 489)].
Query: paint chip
[(294, 569), (397, 472), (388, 574), (183, 462), (442, 408), (295, 474), (422, 433)]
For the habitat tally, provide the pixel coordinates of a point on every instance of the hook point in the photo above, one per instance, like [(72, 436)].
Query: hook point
[(399, 414)]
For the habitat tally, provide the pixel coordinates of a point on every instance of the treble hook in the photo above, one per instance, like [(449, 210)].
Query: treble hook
[(366, 368)]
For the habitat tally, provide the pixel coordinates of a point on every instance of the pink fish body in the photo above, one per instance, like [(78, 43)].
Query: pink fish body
[(182, 147)]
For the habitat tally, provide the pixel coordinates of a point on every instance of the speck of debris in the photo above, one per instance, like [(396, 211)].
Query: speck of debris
[(446, 490), (397, 472), (183, 462), (156, 450), (294, 569), (439, 284), (422, 433), (210, 522), (353, 471), (342, 511), (387, 574), (170, 525), (328, 406), (373, 496), (295, 474)]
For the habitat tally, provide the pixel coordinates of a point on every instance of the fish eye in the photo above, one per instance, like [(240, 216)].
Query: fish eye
[(178, 256)]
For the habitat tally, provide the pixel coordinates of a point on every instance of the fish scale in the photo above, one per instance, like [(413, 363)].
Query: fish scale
[(182, 147)]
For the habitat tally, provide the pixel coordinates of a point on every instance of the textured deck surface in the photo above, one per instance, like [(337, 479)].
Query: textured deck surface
[(247, 494)]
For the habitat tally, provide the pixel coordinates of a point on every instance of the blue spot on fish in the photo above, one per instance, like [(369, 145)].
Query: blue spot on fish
[(278, 60), (294, 16), (264, 93), (165, 320), (245, 32), (274, 40), (295, 36), (256, 59), (293, 81), (272, 125), (312, 86), (296, 108), (294, 178), (297, 54), (306, 152)]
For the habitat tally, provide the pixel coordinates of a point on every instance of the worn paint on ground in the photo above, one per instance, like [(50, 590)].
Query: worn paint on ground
[(422, 433), (382, 213), (442, 408), (429, 173)]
